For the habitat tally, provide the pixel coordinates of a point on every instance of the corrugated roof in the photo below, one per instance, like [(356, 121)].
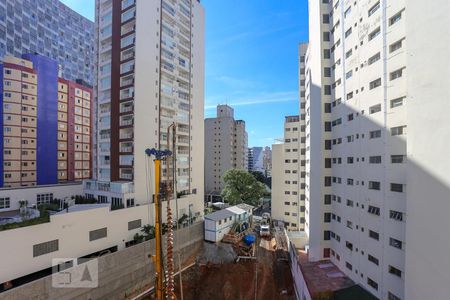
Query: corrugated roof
[(236, 210), (219, 215)]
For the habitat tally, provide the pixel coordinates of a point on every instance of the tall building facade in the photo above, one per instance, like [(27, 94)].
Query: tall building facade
[(225, 149), (136, 106), (288, 195), (258, 159), (40, 123), (356, 145), (289, 164), (51, 29), (267, 161)]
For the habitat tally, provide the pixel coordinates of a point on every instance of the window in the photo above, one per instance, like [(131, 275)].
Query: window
[(373, 210), (395, 243), (396, 74), (349, 74), (398, 159), (326, 54), (98, 234), (348, 32), (374, 185), (395, 46), (397, 102), (349, 203), (348, 265), (374, 34), (372, 283), (327, 72), (372, 259), (395, 18), (396, 215), (375, 159), (327, 89), (374, 58), (395, 271), (44, 198), (347, 12), (374, 84), (349, 181), (350, 161), (327, 181), (397, 187), (326, 235), (375, 109), (349, 245), (327, 199), (326, 19), (374, 235), (326, 36), (374, 8), (46, 247), (4, 202), (392, 296), (348, 53), (327, 217), (134, 224), (350, 117), (128, 15), (399, 130), (349, 95), (375, 134)]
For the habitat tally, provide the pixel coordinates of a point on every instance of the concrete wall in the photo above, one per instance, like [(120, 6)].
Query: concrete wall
[(121, 274), (72, 232)]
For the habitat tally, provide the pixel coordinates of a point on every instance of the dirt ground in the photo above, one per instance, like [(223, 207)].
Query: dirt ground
[(267, 277)]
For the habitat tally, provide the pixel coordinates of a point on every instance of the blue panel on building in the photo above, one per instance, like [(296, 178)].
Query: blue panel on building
[(47, 118), (1, 127)]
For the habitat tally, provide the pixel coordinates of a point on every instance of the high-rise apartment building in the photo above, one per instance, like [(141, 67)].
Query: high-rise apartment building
[(249, 159), (288, 158), (267, 161), (356, 126), (288, 195), (258, 159), (225, 147), (51, 29), (150, 58), (46, 124)]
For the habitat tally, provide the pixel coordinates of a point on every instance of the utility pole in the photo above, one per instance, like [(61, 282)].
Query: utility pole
[(158, 257)]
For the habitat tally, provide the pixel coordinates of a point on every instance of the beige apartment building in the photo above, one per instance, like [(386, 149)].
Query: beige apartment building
[(225, 147), (19, 122), (46, 124), (150, 66)]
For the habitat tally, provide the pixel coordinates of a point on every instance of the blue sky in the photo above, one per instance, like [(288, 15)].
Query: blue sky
[(251, 60)]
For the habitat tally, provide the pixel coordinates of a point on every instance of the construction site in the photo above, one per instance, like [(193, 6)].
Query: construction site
[(233, 269), (242, 256)]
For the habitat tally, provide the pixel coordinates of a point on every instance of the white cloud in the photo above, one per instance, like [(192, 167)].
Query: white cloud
[(262, 98)]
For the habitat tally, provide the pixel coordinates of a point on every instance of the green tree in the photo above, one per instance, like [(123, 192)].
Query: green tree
[(259, 176), (242, 187)]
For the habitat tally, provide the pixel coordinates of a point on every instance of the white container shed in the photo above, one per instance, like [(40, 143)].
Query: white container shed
[(217, 224)]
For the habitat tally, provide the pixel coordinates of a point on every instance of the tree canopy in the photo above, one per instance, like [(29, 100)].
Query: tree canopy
[(242, 187)]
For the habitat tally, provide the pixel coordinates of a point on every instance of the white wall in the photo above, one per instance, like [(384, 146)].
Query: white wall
[(427, 238), (72, 231)]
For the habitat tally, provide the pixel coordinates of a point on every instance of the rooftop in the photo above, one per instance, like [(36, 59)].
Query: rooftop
[(219, 215), (322, 275)]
